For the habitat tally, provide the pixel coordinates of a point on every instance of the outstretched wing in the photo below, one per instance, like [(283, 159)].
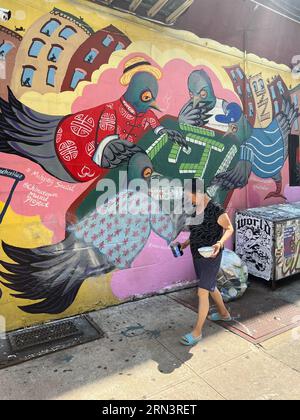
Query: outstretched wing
[(235, 178), (286, 120), (23, 130), (51, 275)]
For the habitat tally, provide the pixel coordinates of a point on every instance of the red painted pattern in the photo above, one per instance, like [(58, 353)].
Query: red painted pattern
[(79, 135)]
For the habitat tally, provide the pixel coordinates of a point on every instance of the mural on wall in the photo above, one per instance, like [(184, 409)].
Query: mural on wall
[(84, 104), (265, 147)]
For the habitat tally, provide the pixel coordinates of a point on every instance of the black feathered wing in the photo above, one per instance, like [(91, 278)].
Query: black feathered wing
[(31, 135), (51, 274)]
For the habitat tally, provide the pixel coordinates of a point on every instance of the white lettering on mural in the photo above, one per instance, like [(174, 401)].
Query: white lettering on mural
[(37, 197)]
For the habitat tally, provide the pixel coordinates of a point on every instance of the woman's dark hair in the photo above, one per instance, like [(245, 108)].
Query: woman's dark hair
[(197, 186), (194, 186)]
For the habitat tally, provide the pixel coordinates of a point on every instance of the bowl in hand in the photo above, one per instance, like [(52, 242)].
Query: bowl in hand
[(206, 252)]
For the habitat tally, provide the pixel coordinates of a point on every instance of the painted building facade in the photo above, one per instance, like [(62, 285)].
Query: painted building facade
[(9, 45), (47, 49), (92, 54), (295, 97), (84, 79), (243, 89)]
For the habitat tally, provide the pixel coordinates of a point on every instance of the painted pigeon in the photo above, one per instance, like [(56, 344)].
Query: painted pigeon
[(203, 106), (263, 151), (82, 146), (106, 239)]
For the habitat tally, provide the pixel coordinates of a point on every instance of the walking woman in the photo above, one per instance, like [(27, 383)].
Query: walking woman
[(214, 231)]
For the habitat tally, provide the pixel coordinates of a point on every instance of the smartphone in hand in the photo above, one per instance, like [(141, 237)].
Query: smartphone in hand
[(176, 249)]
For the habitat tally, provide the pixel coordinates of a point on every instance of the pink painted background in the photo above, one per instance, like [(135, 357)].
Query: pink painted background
[(173, 91)]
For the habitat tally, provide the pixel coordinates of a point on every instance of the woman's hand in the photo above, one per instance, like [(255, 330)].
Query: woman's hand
[(185, 245), (217, 249)]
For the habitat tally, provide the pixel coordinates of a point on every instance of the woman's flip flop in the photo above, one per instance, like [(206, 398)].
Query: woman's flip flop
[(189, 340), (216, 317)]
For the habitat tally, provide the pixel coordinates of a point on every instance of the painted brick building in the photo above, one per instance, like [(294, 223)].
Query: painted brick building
[(295, 98), (278, 91), (92, 54), (243, 89), (9, 45), (43, 60)]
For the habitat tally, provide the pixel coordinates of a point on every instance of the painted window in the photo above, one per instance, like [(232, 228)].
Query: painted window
[(90, 58), (108, 40), (36, 48), (67, 32), (233, 75), (5, 48), (248, 89), (273, 92), (27, 76), (280, 87), (240, 92), (240, 74), (296, 125), (51, 75), (255, 86), (79, 75), (296, 100), (276, 105), (50, 27), (54, 53), (261, 84), (251, 109), (120, 46)]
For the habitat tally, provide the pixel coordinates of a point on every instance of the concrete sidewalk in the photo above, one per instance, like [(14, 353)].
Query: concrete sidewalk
[(141, 358)]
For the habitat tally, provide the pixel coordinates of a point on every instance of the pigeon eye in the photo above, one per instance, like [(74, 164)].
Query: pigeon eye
[(203, 94), (147, 173), (147, 96), (234, 128)]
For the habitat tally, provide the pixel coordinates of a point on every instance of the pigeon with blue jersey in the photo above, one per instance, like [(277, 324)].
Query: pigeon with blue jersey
[(263, 150)]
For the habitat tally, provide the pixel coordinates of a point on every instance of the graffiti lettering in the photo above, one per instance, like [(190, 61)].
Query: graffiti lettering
[(289, 266), (17, 176), (263, 225)]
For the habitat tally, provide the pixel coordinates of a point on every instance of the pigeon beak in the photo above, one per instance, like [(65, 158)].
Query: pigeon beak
[(155, 106), (196, 101), (156, 175)]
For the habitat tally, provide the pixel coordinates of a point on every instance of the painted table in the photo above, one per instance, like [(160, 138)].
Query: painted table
[(210, 153), (268, 241)]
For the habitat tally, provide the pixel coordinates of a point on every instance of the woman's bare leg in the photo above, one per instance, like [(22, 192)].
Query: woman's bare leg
[(217, 298), (203, 312)]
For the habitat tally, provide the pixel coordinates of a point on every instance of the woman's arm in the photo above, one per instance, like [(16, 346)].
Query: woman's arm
[(226, 224)]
